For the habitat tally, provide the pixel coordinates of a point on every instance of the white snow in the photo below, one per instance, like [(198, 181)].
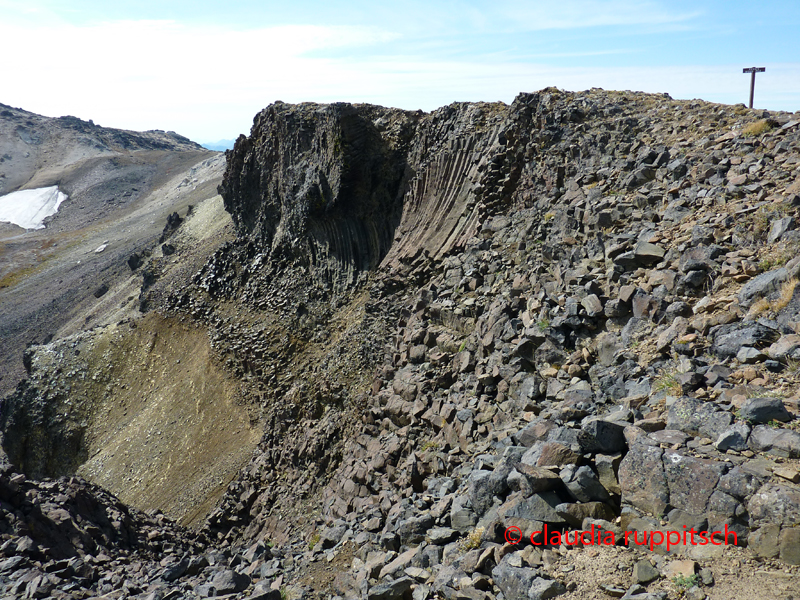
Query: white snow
[(29, 208)]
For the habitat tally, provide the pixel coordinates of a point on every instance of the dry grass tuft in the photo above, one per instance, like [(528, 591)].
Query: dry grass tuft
[(757, 128), (764, 305)]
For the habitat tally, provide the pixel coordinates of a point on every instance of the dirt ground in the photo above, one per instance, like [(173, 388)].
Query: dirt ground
[(165, 392)]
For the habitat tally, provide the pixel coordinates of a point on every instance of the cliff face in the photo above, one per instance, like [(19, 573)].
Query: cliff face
[(324, 183), (579, 310)]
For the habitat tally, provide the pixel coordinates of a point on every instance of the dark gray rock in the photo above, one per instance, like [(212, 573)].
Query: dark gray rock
[(514, 582), (780, 442), (762, 285), (462, 517), (442, 535), (539, 507), (542, 589), (230, 582), (599, 435), (690, 480), (393, 590), (740, 482), (775, 503), (176, 571), (731, 338), (413, 530), (764, 410), (332, 536), (778, 228), (698, 418), (642, 479), (790, 546), (583, 484), (733, 438), (483, 487), (765, 541), (644, 572)]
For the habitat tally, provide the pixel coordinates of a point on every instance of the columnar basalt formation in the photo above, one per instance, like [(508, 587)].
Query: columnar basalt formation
[(575, 312)]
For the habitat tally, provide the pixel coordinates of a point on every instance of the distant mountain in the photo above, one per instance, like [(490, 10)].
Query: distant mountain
[(220, 146)]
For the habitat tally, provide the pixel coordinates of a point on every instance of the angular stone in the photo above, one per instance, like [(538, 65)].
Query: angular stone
[(555, 454), (599, 435), (765, 541), (778, 228), (539, 507), (648, 253), (607, 468), (442, 535), (780, 442), (740, 483), (691, 481), (583, 484), (698, 418), (533, 432), (413, 530), (530, 480), (592, 305), (642, 479), (732, 338), (775, 503), (786, 347), (749, 356), (644, 572), (700, 258), (542, 589), (230, 582), (734, 438), (790, 546), (462, 517), (762, 285), (764, 410), (575, 513), (332, 536), (394, 590), (400, 562), (514, 582)]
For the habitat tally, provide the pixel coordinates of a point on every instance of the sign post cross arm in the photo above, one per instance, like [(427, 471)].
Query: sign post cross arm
[(753, 71)]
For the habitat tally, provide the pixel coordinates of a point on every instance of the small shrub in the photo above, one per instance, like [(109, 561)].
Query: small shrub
[(473, 540), (313, 541), (430, 445), (683, 582)]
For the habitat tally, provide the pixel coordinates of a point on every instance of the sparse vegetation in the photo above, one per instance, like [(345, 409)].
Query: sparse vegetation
[(430, 445), (684, 582), (667, 382), (473, 540), (757, 128), (312, 542), (776, 304)]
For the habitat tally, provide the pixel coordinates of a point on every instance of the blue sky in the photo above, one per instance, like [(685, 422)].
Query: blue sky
[(205, 68)]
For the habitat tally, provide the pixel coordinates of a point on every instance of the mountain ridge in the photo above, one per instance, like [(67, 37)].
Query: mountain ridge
[(575, 310)]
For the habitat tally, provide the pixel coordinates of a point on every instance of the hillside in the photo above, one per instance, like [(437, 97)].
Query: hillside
[(121, 187), (424, 333)]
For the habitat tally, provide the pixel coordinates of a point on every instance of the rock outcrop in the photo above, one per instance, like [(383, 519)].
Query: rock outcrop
[(576, 312)]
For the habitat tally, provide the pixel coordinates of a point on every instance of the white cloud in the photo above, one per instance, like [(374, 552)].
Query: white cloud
[(208, 82), (573, 14)]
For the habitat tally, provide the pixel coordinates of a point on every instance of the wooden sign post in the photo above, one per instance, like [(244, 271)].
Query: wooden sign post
[(753, 71)]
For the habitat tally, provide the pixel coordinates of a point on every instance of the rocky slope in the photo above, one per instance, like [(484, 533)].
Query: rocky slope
[(577, 310), (121, 190)]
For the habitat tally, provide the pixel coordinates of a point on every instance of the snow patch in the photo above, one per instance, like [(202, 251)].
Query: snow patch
[(29, 208)]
